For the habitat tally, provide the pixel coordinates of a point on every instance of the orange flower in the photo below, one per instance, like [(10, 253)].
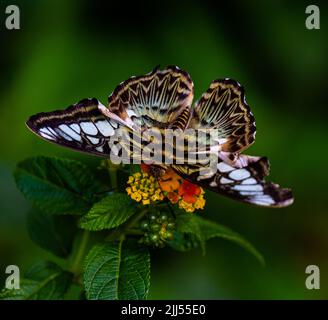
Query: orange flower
[(189, 191), (170, 181)]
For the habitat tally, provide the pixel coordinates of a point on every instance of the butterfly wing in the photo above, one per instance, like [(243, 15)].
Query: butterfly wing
[(223, 108), (245, 184), (153, 100), (158, 99), (81, 127)]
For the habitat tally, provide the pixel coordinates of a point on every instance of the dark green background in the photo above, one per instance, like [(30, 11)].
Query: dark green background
[(69, 50)]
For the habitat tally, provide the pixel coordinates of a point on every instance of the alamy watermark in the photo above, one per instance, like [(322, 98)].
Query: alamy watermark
[(312, 20), (156, 146), (13, 280), (312, 281), (12, 21)]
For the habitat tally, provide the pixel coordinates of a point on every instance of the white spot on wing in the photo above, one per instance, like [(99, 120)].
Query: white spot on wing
[(252, 187), (264, 200), (47, 132), (249, 181), (62, 134), (224, 180), (239, 174), (93, 140), (65, 128), (105, 128), (75, 127), (100, 149), (52, 131), (45, 135), (223, 167), (250, 193), (89, 128)]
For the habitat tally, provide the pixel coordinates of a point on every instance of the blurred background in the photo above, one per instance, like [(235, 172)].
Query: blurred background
[(69, 50)]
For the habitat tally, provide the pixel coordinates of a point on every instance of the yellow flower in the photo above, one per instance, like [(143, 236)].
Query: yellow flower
[(188, 207), (200, 202), (144, 188)]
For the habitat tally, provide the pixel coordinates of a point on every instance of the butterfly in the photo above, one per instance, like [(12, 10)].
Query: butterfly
[(163, 99)]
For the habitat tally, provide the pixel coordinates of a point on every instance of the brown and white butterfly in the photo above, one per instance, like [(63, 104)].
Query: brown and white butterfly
[(163, 99)]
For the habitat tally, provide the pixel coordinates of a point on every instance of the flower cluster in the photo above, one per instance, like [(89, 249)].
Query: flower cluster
[(182, 192), (146, 188), (158, 228)]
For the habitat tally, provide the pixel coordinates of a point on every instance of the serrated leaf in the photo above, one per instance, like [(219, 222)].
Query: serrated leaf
[(54, 233), (44, 281), (56, 186), (108, 213), (117, 271), (204, 230)]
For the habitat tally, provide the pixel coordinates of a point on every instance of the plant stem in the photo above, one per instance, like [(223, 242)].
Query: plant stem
[(76, 264), (119, 233), (112, 170), (135, 219)]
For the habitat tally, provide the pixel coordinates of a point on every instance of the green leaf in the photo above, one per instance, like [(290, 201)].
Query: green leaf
[(184, 241), (110, 212), (44, 281), (203, 230), (56, 186), (117, 270), (52, 232)]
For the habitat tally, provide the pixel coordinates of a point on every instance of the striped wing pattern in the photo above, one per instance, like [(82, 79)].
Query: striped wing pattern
[(81, 127), (153, 100), (245, 184), (223, 107), (162, 99)]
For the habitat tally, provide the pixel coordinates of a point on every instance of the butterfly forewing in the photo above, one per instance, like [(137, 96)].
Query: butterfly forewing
[(80, 127), (153, 100), (223, 108)]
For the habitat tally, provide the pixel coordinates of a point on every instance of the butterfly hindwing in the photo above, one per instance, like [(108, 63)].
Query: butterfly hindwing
[(153, 100), (223, 108), (244, 184), (81, 127)]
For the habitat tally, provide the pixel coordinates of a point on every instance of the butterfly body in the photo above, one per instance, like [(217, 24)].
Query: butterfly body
[(154, 112)]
